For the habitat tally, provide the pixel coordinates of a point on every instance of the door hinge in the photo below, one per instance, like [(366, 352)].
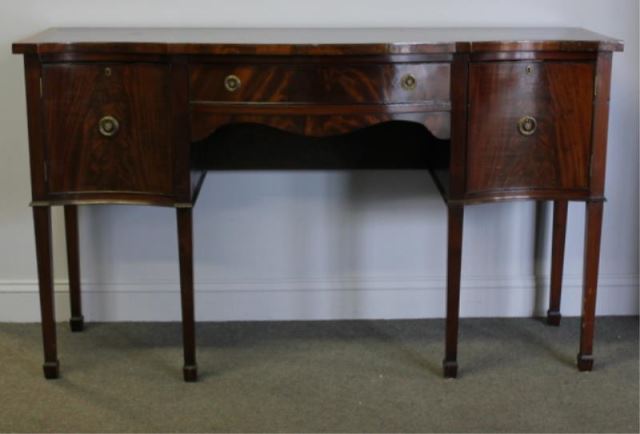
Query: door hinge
[(41, 92), (595, 86), (45, 172)]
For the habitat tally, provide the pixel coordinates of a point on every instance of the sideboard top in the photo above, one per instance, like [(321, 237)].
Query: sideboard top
[(312, 41)]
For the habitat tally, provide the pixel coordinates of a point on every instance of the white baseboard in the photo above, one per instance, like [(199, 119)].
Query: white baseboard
[(379, 298)]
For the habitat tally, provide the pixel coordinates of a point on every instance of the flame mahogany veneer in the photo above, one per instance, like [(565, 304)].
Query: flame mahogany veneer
[(138, 116)]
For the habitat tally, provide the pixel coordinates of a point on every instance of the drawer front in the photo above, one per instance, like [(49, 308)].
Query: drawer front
[(108, 128), (529, 125), (321, 83)]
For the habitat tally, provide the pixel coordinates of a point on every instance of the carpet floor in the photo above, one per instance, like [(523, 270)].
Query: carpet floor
[(516, 375)]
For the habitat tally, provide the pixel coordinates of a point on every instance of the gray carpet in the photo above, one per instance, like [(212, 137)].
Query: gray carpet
[(516, 375)]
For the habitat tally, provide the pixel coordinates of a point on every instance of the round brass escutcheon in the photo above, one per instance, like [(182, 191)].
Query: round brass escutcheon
[(107, 72), (527, 125), (232, 82), (108, 126), (408, 82)]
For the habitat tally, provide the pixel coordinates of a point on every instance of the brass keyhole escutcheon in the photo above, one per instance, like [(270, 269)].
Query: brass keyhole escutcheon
[(408, 82), (108, 126), (107, 72), (232, 83), (529, 69), (527, 125)]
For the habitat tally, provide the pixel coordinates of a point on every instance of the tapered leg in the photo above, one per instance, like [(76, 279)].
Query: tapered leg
[(185, 246), (73, 261), (42, 223), (593, 226), (557, 260), (454, 262)]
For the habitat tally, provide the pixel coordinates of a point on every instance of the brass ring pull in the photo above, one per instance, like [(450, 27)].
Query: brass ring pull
[(108, 126), (527, 125), (408, 82), (232, 83)]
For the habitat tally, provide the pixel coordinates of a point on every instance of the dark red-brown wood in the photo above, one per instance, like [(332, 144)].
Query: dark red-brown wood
[(166, 88), (459, 121), (179, 91), (557, 260), (600, 130), (73, 264), (454, 266), (138, 158), (206, 119), (593, 227), (185, 249), (313, 42), (314, 83), (594, 210), (454, 191), (42, 224), (37, 159), (556, 156)]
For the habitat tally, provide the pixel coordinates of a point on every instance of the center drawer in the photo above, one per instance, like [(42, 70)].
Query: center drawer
[(378, 83)]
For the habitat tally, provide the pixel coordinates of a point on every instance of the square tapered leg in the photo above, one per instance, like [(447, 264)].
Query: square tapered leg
[(185, 247), (76, 322), (557, 260), (42, 224), (593, 227), (454, 262)]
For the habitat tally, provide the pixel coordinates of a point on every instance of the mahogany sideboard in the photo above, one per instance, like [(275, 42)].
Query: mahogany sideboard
[(138, 116)]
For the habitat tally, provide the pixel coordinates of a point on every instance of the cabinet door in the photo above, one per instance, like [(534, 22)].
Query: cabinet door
[(108, 128), (529, 126)]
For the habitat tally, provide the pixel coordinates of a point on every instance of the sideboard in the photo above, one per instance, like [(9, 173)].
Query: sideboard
[(139, 115)]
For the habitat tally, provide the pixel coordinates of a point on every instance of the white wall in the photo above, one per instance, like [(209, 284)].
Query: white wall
[(298, 245)]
